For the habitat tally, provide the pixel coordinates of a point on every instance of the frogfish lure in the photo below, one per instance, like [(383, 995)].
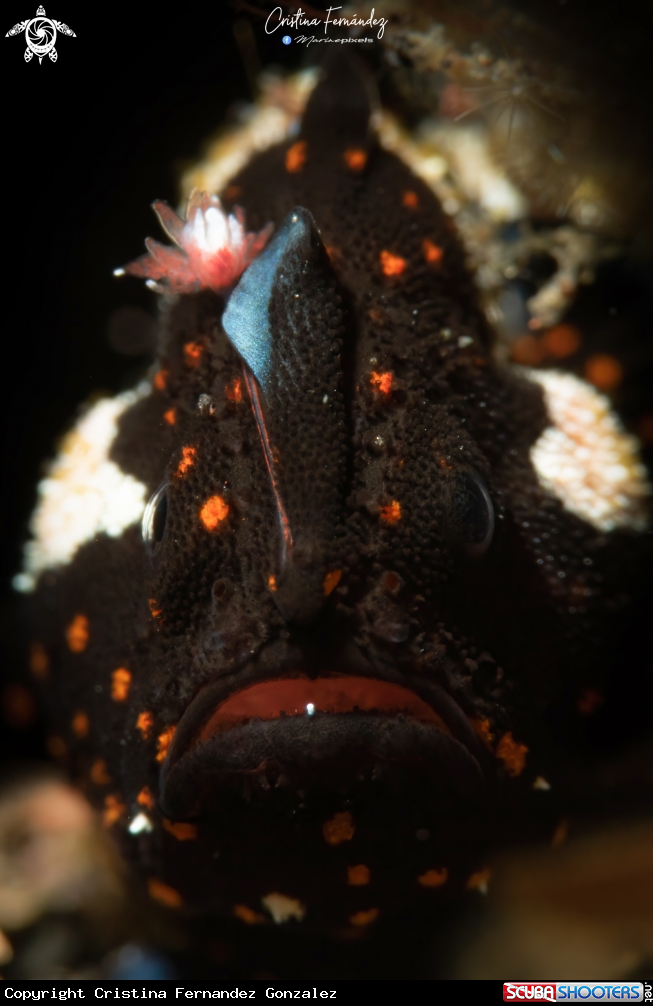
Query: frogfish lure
[(213, 248), (330, 666)]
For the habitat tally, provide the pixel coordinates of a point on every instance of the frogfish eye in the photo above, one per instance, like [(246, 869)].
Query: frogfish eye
[(155, 517), (471, 513)]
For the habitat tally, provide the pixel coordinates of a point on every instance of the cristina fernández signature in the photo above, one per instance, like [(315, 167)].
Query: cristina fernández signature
[(300, 20)]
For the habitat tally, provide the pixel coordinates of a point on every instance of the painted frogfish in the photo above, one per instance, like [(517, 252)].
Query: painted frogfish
[(315, 606)]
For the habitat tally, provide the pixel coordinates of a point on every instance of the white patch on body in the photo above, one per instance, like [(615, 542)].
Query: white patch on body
[(282, 908), (84, 493), (585, 457)]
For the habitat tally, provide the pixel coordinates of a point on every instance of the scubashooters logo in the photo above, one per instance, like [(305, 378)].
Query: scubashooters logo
[(572, 992), (40, 35)]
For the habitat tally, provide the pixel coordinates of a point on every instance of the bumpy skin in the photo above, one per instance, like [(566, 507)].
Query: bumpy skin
[(376, 483)]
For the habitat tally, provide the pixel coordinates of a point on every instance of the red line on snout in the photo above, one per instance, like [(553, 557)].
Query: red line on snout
[(286, 533)]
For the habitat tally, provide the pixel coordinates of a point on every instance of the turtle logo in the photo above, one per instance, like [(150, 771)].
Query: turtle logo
[(40, 35)]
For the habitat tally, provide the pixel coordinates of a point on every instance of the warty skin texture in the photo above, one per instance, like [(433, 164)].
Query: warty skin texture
[(395, 441)]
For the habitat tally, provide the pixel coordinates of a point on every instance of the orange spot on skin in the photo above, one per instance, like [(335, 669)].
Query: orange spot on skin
[(358, 876), (375, 315), (18, 707), (170, 416), (391, 582), (213, 512), (512, 754), (272, 583), (392, 265), (182, 831), (434, 878), (114, 808), (161, 380), (56, 747), (527, 350), (562, 340), (154, 608), (163, 742), (39, 662), (187, 460), (482, 730), (234, 391), (478, 881), (560, 834), (589, 702), (77, 634), (145, 798), (339, 829), (391, 514), (193, 353), (364, 918), (604, 372), (355, 158), (80, 724), (248, 915), (383, 382), (432, 252), (331, 581), (164, 894), (121, 680), (144, 723), (99, 774), (295, 157), (409, 199)]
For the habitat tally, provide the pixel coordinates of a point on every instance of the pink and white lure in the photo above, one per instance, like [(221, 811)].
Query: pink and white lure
[(213, 248)]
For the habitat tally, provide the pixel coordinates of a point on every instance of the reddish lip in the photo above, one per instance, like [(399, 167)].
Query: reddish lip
[(339, 693), (262, 733), (362, 724)]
